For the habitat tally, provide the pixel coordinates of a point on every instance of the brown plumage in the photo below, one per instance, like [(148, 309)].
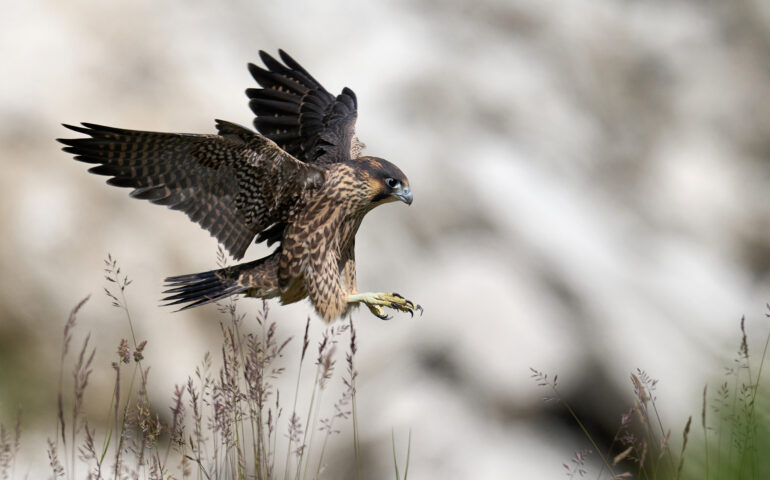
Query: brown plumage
[(301, 183)]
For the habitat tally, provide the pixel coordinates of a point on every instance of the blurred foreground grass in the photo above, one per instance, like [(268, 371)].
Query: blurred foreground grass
[(232, 422), (729, 438)]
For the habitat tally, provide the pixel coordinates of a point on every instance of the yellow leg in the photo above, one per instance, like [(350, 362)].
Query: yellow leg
[(375, 302)]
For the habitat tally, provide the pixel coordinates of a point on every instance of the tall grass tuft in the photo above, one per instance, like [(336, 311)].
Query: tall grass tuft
[(735, 437), (224, 421), (9, 447)]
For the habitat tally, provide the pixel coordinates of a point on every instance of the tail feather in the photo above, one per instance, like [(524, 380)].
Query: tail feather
[(186, 295), (192, 285), (196, 289), (202, 288)]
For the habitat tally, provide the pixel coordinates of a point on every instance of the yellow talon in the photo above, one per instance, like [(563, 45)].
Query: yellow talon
[(375, 302)]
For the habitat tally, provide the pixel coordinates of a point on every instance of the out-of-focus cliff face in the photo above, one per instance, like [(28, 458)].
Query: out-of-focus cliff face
[(591, 187)]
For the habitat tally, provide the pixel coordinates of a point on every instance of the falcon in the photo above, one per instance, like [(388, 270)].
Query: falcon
[(300, 183)]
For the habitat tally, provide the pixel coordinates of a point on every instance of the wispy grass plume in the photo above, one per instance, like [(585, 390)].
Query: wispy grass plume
[(224, 421), (735, 438)]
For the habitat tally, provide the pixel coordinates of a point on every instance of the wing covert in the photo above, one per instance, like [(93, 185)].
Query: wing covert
[(235, 185)]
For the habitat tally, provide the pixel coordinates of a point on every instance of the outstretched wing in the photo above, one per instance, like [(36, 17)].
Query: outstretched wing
[(298, 114), (235, 185)]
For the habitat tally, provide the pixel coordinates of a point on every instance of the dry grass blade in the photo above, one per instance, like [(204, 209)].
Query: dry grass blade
[(622, 455), (684, 446), (70, 324), (53, 460), (639, 390)]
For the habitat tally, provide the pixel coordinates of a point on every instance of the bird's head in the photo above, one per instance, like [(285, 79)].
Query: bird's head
[(387, 183)]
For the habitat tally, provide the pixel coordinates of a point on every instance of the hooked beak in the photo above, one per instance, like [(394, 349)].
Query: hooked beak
[(404, 194)]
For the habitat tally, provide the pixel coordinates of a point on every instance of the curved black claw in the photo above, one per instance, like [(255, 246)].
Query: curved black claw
[(378, 312), (398, 302), (391, 300)]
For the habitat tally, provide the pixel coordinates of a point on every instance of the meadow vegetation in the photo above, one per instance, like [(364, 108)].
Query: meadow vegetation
[(231, 420), (222, 423), (729, 438)]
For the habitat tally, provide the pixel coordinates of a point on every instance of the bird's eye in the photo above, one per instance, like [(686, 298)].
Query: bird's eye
[(392, 182)]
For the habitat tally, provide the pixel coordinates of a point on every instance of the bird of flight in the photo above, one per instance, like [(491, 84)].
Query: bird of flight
[(301, 182)]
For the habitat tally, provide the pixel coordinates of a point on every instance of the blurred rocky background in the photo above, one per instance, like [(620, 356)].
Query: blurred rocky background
[(591, 184)]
